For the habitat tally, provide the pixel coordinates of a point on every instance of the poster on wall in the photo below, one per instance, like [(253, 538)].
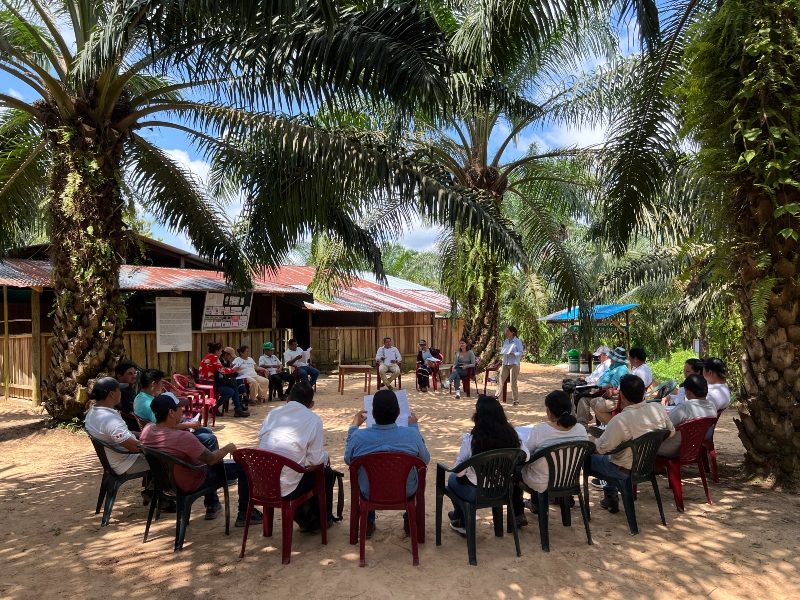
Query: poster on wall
[(227, 311), (173, 324)]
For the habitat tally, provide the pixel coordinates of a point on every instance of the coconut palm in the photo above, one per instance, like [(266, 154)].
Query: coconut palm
[(232, 76), (722, 85)]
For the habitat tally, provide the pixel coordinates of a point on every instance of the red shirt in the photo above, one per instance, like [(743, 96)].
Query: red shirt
[(181, 444), (210, 365)]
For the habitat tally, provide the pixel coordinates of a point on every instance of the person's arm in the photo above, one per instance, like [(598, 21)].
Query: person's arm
[(131, 444), (379, 355), (471, 359), (124, 437), (465, 451), (349, 445), (211, 458), (612, 437), (516, 346)]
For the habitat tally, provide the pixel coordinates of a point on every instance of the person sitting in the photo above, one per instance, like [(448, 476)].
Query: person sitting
[(165, 436), (692, 366), (636, 419), (491, 431), (296, 357), (126, 373), (429, 360), (254, 375), (389, 360), (715, 372), (604, 401), (510, 357), (151, 385), (384, 436), (561, 426), (603, 364), (696, 406), (213, 371), (639, 366), (463, 361), (295, 431), (234, 379), (105, 423), (273, 366)]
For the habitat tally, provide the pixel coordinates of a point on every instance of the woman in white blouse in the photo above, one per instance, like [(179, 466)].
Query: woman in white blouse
[(561, 426), (492, 431)]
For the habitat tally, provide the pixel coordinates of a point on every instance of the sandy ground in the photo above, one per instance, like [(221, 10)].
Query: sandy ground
[(51, 543)]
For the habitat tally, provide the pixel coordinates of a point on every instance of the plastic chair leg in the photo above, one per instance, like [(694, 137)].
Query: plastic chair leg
[(438, 523), (362, 536), (566, 512), (153, 504), (268, 519), (585, 515), (323, 506), (497, 520), (287, 528), (470, 525), (412, 530), (544, 531), (355, 494), (630, 509), (514, 529), (183, 512), (246, 527), (420, 503), (227, 498), (658, 499), (712, 460), (674, 476), (111, 497), (586, 493), (102, 495), (703, 479)]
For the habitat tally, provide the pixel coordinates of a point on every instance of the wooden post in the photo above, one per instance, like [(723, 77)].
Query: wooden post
[(36, 347), (627, 332), (274, 318), (6, 371), (338, 347)]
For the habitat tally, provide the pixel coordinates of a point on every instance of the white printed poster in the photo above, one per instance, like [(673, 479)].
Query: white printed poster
[(173, 324), (228, 310), (402, 400)]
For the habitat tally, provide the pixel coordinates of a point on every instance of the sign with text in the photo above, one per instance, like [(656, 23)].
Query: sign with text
[(227, 311), (173, 324)]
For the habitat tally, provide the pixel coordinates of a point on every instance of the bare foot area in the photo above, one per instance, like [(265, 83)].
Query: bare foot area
[(52, 545)]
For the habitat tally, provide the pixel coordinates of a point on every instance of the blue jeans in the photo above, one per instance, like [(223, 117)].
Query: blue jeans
[(308, 373), (456, 375), (233, 470), (465, 491), (223, 391), (605, 469), (206, 437)]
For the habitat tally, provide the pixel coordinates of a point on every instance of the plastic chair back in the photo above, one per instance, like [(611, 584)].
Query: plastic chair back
[(494, 470), (645, 449), (100, 448), (162, 469), (182, 381), (693, 434), (263, 470), (564, 464), (387, 474)]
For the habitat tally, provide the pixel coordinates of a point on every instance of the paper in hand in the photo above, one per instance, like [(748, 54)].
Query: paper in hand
[(402, 400)]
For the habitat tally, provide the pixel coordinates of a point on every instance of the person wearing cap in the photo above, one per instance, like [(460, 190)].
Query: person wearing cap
[(212, 370), (604, 401), (389, 360), (639, 366), (165, 436), (273, 366), (715, 372), (429, 360), (696, 406), (603, 364), (510, 355), (295, 431)]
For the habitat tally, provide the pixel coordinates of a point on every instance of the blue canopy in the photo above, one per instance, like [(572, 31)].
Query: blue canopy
[(599, 312)]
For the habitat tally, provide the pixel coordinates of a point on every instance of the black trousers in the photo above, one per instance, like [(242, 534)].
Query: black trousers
[(307, 515)]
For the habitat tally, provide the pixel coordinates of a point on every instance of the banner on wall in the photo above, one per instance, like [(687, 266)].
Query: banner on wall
[(227, 311), (173, 324)]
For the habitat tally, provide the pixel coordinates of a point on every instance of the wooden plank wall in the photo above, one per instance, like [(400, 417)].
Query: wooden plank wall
[(446, 335), (342, 345), (406, 329)]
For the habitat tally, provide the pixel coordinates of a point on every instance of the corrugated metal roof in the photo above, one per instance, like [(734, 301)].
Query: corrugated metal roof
[(599, 312)]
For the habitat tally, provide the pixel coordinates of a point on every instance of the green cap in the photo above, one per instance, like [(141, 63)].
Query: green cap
[(267, 346)]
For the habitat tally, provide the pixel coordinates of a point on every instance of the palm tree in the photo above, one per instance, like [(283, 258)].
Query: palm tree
[(228, 75), (724, 79)]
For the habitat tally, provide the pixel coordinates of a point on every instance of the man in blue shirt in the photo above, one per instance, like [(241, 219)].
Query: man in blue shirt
[(604, 401), (384, 436)]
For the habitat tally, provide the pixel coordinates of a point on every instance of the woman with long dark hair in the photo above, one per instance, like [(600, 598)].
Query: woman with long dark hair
[(492, 431)]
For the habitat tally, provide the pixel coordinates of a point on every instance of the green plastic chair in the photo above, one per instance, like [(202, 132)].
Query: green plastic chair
[(111, 482), (162, 468)]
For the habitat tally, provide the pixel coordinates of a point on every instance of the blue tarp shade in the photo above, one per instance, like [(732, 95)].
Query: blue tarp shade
[(599, 312)]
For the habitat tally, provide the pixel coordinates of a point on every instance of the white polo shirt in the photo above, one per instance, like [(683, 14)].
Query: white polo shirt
[(105, 424), (387, 355), (291, 354), (645, 373), (271, 363)]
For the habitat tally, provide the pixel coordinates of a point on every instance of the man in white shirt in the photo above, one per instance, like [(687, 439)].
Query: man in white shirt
[(389, 360), (603, 363), (636, 419), (254, 375), (715, 372), (639, 366), (273, 366), (299, 358), (695, 406), (295, 431), (510, 355)]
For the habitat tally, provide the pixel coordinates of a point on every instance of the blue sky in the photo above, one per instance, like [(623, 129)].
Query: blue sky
[(418, 236)]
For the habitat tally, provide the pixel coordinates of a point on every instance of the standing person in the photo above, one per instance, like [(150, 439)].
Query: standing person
[(389, 360), (275, 372), (296, 357), (295, 431), (639, 366), (248, 370), (212, 370), (491, 431), (166, 437), (463, 361), (692, 366), (429, 360), (510, 355), (561, 426), (384, 436), (715, 372)]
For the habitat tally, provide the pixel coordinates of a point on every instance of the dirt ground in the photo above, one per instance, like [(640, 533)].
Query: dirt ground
[(51, 543)]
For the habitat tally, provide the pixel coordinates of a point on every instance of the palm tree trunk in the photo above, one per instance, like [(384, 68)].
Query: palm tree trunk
[(482, 328), (87, 243), (769, 417)]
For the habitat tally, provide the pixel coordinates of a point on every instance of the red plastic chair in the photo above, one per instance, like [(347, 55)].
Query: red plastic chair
[(263, 471), (191, 408), (490, 369), (211, 398), (472, 375), (199, 397), (710, 453), (387, 474), (399, 377), (693, 433)]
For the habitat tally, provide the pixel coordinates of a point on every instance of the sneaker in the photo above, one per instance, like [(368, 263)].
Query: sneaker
[(447, 385), (241, 413), (610, 504), (370, 530), (406, 528), (531, 506), (212, 512), (597, 484), (458, 527), (515, 403), (458, 394), (255, 518)]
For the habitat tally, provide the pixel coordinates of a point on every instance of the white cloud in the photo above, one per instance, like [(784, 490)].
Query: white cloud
[(420, 237), (563, 137), (198, 167), (14, 93)]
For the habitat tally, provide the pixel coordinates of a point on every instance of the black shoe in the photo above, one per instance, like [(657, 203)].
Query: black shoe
[(610, 504), (532, 506), (255, 518), (167, 506), (240, 413), (370, 530), (521, 520), (458, 527), (212, 512)]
